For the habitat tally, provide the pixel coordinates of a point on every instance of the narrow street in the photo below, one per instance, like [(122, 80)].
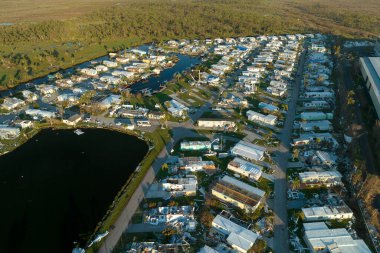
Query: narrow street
[(185, 129), (282, 155), (179, 131)]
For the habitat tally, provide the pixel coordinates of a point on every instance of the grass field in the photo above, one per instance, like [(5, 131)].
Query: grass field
[(48, 35), (37, 10)]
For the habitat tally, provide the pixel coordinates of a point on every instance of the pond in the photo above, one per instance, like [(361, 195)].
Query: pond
[(56, 187)]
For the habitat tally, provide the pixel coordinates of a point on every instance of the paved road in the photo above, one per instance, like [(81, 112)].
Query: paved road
[(144, 228), (280, 243), (179, 131), (291, 204), (122, 222)]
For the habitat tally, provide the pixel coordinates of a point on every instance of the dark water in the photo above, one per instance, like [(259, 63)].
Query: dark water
[(55, 188), (153, 83), (376, 202)]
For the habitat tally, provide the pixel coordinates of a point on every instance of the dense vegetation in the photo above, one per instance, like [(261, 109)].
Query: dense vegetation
[(28, 50)]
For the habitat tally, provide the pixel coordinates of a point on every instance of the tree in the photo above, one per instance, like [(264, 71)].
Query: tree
[(152, 205), (58, 76), (86, 97), (138, 96), (211, 202), (320, 79), (350, 97), (173, 203), (169, 231), (296, 183), (356, 177), (165, 167), (55, 53), (259, 246), (295, 154), (206, 218), (268, 135), (337, 50)]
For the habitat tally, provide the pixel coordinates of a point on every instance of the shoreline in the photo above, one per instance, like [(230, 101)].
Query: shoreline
[(65, 67), (132, 183)]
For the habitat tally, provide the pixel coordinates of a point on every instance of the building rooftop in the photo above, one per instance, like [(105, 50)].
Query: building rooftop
[(248, 150), (241, 237), (325, 210), (371, 65), (246, 187), (207, 249), (215, 119), (319, 236), (311, 175), (246, 166)]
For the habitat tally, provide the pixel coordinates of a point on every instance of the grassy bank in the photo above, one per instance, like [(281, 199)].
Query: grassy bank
[(157, 141)]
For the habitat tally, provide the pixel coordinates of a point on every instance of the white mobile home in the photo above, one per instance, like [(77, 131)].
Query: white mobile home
[(110, 64), (40, 113), (307, 138), (177, 109), (323, 213), (29, 96), (101, 68), (268, 107), (321, 125), (12, 103), (245, 168), (110, 101), (195, 145), (320, 238), (215, 123), (311, 94), (316, 104), (89, 72), (316, 116), (324, 178), (248, 151), (238, 237), (7, 132), (261, 118)]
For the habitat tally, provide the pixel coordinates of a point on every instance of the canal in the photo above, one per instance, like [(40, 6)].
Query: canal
[(56, 187), (152, 83)]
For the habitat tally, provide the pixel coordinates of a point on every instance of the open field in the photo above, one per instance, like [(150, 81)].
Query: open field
[(336, 11), (37, 10), (45, 36)]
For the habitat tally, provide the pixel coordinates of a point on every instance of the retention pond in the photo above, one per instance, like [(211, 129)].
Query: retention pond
[(56, 187)]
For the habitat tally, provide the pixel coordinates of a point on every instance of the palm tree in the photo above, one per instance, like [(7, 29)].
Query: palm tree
[(295, 154), (350, 98), (296, 183), (58, 76)]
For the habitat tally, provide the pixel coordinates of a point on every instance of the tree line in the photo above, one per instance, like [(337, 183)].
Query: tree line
[(28, 50)]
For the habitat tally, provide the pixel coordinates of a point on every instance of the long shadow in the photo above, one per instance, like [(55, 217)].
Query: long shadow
[(281, 234)]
